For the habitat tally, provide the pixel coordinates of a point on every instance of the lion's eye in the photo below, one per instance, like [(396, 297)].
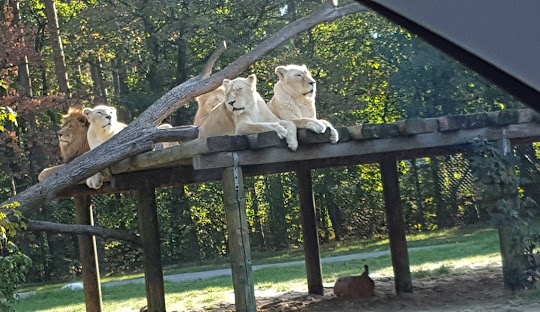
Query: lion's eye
[(100, 113), (298, 75)]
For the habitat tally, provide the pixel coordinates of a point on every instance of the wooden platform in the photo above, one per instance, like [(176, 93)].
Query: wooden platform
[(201, 161), (230, 158)]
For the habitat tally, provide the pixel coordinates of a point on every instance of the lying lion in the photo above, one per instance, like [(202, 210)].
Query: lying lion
[(294, 100), (72, 139), (103, 125), (245, 112), (207, 102)]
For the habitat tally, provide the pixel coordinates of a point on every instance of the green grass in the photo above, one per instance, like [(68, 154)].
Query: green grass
[(466, 247)]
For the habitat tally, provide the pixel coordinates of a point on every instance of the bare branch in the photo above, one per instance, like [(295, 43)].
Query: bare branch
[(207, 71), (107, 233), (117, 149)]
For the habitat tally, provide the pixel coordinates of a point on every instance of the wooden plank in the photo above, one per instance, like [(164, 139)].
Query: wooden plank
[(180, 154), (380, 131), (306, 136), (88, 254), (356, 132), (309, 231), (227, 143), (423, 141), (153, 271), (417, 126), (396, 226), (265, 139), (237, 228), (344, 134)]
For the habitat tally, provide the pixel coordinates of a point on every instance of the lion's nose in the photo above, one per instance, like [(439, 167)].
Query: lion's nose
[(312, 83), (108, 117), (232, 102)]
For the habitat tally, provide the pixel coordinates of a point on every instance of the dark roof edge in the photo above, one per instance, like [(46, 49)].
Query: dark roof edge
[(509, 83)]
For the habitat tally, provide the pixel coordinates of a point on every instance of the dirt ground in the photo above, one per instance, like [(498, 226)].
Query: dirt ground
[(477, 290)]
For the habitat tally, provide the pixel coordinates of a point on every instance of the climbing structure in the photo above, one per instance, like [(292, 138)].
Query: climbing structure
[(230, 158)]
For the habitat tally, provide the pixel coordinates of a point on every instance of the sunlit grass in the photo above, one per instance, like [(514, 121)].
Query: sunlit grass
[(465, 248)]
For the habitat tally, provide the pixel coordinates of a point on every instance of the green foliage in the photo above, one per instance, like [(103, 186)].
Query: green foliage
[(14, 265), (498, 184), (7, 114)]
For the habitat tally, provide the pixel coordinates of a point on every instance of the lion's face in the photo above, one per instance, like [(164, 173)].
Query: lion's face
[(239, 93), (297, 79), (207, 102), (72, 135), (101, 116)]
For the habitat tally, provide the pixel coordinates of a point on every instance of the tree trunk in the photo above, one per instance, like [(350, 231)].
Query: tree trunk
[(333, 209), (258, 232), (442, 214), (122, 76), (181, 61), (420, 219), (100, 97), (116, 149), (185, 224), (277, 221), (58, 50), (25, 84)]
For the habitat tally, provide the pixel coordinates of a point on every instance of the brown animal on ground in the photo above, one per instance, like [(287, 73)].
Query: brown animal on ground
[(72, 138), (355, 286)]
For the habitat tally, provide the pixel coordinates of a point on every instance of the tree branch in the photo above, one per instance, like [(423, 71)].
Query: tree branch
[(207, 71), (117, 149), (107, 233)]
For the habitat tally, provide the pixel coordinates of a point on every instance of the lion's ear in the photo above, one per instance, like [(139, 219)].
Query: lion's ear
[(226, 82), (87, 111), (113, 110), (82, 121), (304, 66), (252, 80), (280, 72)]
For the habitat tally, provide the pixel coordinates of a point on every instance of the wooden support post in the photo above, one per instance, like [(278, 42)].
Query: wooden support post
[(396, 225), (153, 272), (309, 230), (88, 255), (237, 228)]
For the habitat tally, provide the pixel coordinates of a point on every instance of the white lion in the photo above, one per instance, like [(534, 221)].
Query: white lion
[(294, 100), (103, 126), (245, 112), (207, 102)]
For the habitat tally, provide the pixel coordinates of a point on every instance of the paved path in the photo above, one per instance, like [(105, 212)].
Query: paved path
[(224, 272)]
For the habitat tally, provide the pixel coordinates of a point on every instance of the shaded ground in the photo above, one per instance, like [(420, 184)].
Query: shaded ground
[(477, 290)]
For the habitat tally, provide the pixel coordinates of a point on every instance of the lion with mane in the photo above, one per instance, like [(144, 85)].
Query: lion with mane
[(72, 139)]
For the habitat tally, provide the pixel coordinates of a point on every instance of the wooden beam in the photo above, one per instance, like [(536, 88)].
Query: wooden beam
[(396, 226), (178, 176), (237, 228), (402, 145), (153, 271), (309, 231), (88, 255)]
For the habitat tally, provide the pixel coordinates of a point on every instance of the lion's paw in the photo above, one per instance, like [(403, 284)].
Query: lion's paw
[(293, 144), (334, 135), (316, 126), (281, 131), (95, 181)]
